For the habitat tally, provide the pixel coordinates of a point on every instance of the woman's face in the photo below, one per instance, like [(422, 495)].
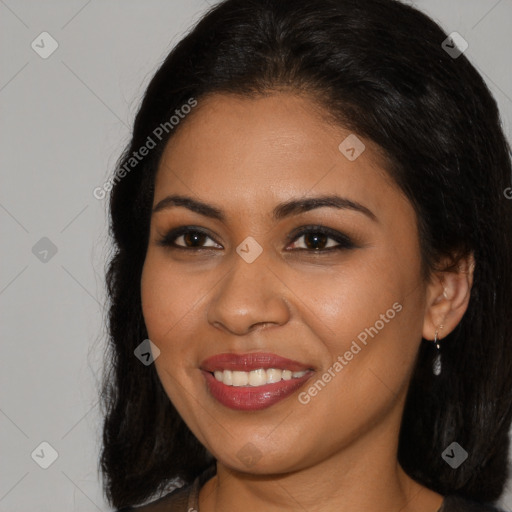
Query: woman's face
[(347, 307)]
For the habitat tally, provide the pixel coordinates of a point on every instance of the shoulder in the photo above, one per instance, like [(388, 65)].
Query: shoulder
[(182, 499), (454, 503), (176, 501)]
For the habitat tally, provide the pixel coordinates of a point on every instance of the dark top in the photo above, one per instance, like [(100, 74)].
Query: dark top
[(186, 499)]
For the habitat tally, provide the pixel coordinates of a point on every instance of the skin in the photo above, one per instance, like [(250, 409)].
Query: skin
[(337, 452)]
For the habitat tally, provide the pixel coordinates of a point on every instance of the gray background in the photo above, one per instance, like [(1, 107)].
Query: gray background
[(64, 121)]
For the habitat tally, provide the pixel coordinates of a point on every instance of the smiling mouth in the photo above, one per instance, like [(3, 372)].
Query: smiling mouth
[(253, 381), (248, 397)]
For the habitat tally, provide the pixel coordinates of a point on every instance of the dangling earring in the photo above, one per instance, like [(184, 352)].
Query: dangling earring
[(436, 366)]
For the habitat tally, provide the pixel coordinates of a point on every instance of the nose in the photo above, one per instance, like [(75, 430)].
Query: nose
[(251, 294)]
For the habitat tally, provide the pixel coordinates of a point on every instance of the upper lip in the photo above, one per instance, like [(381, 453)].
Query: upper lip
[(251, 361)]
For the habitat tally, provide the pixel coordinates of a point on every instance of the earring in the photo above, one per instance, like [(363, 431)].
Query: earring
[(436, 366)]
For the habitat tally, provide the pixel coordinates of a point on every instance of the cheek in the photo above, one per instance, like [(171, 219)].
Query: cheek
[(168, 298), (353, 298), (157, 300), (370, 314)]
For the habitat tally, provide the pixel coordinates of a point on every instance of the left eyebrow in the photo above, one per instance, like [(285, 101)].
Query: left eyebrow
[(281, 211), (296, 206)]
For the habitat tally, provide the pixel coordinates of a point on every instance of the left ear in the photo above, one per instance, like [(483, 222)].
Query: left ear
[(448, 294)]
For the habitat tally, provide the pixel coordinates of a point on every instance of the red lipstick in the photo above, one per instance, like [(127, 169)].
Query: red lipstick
[(251, 398)]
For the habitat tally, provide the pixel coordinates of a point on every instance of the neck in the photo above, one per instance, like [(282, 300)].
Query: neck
[(362, 476)]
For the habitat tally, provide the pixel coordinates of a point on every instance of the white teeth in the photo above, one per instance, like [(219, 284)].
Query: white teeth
[(240, 378), (273, 375), (287, 374), (257, 377), (228, 377)]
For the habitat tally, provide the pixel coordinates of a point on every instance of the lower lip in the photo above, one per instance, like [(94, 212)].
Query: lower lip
[(253, 398)]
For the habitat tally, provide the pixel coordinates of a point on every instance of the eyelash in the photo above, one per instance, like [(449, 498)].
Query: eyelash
[(344, 242)]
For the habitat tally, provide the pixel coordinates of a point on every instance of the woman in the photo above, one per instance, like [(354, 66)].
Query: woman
[(311, 228)]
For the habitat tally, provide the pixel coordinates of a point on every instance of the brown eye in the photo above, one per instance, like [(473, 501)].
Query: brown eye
[(194, 239), (315, 241), (321, 239), (187, 238)]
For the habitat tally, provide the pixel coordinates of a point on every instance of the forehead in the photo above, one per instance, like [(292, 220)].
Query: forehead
[(258, 151)]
